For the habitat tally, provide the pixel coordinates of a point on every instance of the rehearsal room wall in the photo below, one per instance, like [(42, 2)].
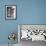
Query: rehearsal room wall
[(28, 12)]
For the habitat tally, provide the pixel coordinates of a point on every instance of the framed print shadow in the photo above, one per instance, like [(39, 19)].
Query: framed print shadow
[(10, 12)]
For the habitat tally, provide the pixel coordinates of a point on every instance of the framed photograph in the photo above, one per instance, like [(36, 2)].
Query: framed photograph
[(32, 32), (10, 13)]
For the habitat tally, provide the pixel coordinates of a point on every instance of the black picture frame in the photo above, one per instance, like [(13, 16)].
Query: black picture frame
[(10, 12)]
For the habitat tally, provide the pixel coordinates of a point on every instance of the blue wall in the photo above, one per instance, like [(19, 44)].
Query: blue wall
[(28, 12)]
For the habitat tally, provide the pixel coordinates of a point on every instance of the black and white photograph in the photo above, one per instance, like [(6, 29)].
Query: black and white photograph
[(10, 12)]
